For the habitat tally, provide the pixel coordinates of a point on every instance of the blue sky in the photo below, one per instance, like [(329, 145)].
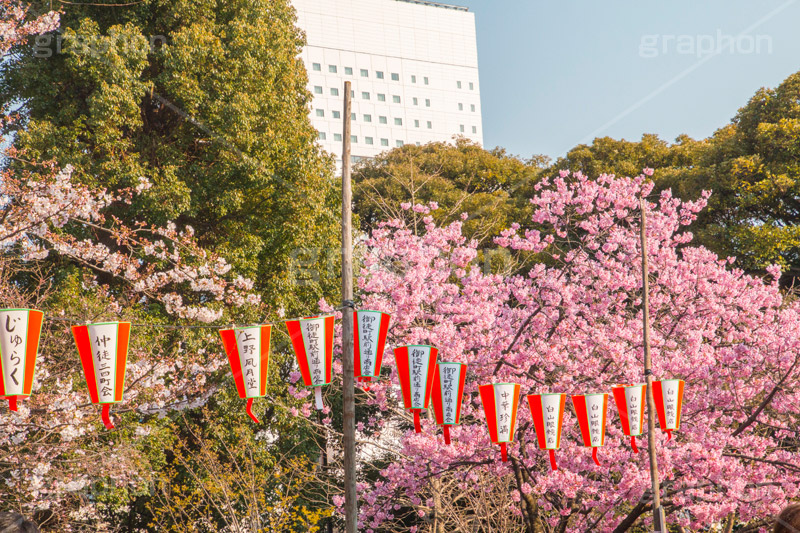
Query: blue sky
[(558, 73)]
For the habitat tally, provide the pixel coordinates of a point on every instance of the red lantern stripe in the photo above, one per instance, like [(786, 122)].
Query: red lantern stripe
[(401, 360), (123, 336), (579, 401), (329, 348), (487, 398), (229, 343), (84, 344), (266, 332), (296, 335), (34, 332)]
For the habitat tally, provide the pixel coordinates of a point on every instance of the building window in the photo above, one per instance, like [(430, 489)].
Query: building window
[(416, 102), (413, 79), (461, 127), (365, 95), (416, 123), (334, 91), (425, 79), (383, 120), (458, 84), (379, 74), (472, 107), (396, 99), (399, 144), (332, 69), (337, 137), (395, 76), (461, 107), (322, 136), (381, 97), (471, 86), (320, 112), (430, 124), (364, 73), (368, 140), (384, 142), (353, 139), (316, 66), (337, 114), (352, 116), (317, 89), (474, 129), (367, 118), (352, 94), (348, 71), (427, 102), (398, 122)]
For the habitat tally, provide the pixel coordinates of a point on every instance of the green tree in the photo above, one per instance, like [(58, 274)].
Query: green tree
[(205, 100)]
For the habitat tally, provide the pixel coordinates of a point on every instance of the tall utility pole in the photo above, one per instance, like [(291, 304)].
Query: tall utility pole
[(348, 373), (659, 521)]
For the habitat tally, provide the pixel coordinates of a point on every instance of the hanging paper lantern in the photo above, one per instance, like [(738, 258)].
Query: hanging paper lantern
[(448, 389), (668, 394), (19, 343), (104, 354), (547, 411), (369, 340), (591, 411), (248, 353), (415, 367), (312, 339), (500, 407), (630, 400)]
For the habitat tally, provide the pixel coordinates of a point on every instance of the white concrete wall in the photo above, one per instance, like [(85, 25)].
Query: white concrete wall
[(413, 41)]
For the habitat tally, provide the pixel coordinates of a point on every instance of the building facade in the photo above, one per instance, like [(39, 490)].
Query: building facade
[(413, 65)]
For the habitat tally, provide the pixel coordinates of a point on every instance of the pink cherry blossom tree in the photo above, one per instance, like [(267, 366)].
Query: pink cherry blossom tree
[(572, 324)]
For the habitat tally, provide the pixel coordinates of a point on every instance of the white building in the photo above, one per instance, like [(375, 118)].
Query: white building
[(413, 65)]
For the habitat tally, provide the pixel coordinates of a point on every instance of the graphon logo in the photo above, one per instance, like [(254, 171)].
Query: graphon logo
[(654, 45)]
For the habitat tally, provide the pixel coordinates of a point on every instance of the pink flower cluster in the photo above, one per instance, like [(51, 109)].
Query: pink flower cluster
[(572, 324)]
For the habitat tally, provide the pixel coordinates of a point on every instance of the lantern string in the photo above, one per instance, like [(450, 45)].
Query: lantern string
[(594, 456), (249, 409), (205, 326), (106, 416), (633, 444), (553, 464)]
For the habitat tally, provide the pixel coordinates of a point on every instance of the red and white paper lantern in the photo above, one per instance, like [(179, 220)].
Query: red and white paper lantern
[(104, 355), (415, 367), (312, 339), (369, 340), (630, 400), (500, 403), (547, 411), (591, 411), (248, 353), (668, 395), (19, 344), (446, 395)]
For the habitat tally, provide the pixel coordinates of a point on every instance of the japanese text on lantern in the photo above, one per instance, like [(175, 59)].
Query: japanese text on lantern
[(419, 359), (449, 376), (633, 398), (12, 349), (551, 410), (670, 388), (504, 405), (595, 413), (249, 343), (104, 352), (314, 340), (368, 326)]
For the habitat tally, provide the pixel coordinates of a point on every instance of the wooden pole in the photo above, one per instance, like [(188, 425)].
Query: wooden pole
[(659, 521), (348, 396)]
